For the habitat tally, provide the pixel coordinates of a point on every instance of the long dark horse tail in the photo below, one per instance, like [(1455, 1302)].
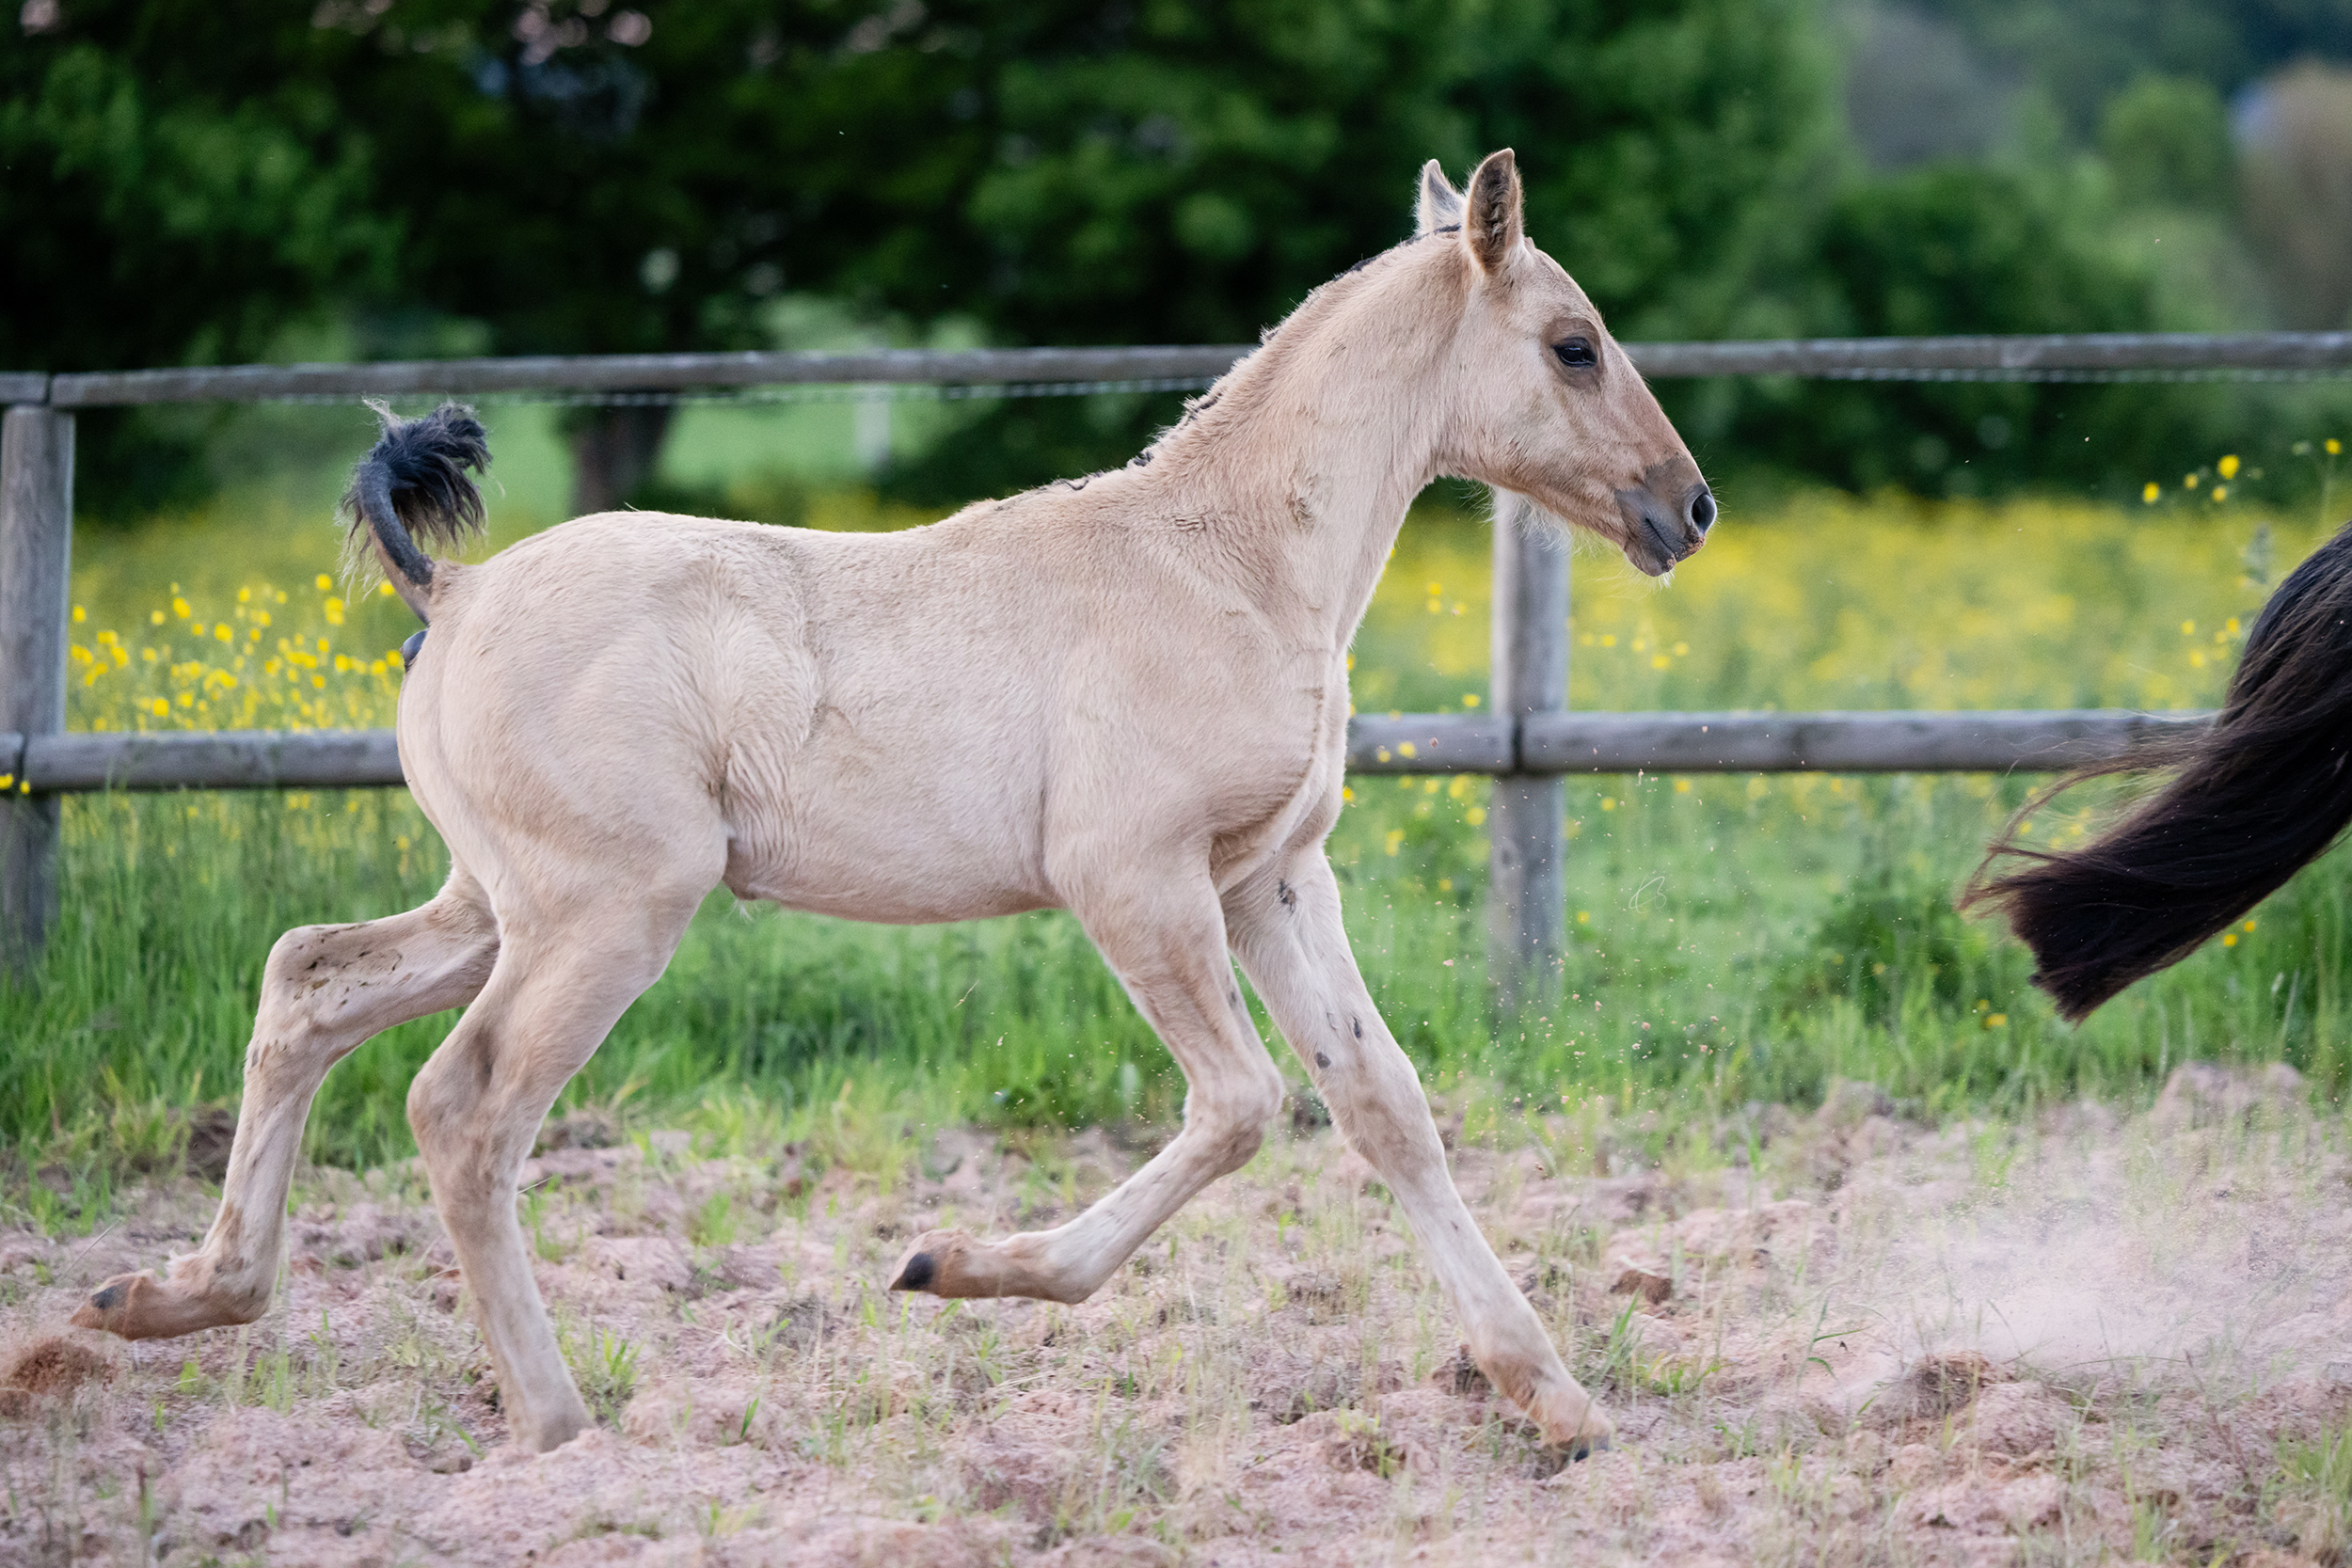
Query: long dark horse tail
[(412, 486), (2256, 796)]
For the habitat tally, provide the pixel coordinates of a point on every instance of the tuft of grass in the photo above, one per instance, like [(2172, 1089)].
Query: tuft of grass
[(714, 1222), (604, 1365), (2310, 1495)]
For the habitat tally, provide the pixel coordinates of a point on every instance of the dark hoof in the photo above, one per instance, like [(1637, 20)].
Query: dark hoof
[(918, 1273)]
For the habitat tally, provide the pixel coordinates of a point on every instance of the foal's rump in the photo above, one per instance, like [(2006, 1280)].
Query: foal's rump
[(2255, 796)]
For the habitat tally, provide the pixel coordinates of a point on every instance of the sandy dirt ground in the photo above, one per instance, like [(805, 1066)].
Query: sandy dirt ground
[(1839, 1337)]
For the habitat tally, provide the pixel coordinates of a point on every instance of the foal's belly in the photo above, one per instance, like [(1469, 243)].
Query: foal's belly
[(883, 901), (865, 860)]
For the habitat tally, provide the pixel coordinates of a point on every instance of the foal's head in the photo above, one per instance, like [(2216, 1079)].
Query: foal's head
[(1542, 400)]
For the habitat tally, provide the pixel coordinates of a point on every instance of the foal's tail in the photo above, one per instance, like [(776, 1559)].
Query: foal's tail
[(413, 485), (2257, 794)]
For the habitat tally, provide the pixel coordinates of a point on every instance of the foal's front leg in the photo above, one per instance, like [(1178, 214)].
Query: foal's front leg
[(1166, 942), (1288, 936)]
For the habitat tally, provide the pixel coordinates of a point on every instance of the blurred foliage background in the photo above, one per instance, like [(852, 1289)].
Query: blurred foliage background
[(186, 183)]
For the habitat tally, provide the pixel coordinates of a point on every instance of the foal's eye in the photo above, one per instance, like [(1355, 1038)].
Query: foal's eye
[(1576, 353)]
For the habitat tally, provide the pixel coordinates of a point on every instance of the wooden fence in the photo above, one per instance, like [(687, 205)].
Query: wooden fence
[(1528, 740)]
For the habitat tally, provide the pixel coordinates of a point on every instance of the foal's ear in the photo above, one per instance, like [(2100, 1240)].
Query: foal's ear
[(1493, 225), (1438, 203)]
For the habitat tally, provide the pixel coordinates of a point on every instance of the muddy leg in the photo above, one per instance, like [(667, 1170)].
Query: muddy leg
[(1166, 941), (1288, 936), (558, 988), (326, 990)]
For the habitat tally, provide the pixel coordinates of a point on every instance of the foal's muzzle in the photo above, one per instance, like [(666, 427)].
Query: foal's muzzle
[(1666, 517)]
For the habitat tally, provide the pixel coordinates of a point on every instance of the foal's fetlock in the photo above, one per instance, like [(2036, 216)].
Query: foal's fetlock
[(141, 1306)]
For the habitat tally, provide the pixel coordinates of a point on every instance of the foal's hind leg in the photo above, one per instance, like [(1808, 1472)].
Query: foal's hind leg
[(1287, 933), (326, 990), (561, 983), (1166, 941)]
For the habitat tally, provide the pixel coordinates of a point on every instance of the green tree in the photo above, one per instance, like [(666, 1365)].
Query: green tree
[(180, 184), (1959, 248), (2166, 141), (2080, 54), (1180, 172)]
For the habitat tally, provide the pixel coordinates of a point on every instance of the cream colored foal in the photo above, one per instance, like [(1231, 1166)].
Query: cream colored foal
[(1125, 696)]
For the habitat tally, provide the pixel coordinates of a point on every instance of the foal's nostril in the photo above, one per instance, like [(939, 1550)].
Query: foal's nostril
[(1703, 510)]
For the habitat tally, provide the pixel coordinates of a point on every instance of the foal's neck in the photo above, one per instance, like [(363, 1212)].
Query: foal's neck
[(1310, 452)]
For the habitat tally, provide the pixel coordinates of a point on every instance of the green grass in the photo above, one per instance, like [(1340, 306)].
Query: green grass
[(1732, 939)]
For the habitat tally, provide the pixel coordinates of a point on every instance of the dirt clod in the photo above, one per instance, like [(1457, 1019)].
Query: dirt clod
[(1934, 1388), (1459, 1374), (579, 1129), (211, 1131), (1652, 1288), (2200, 1093), (49, 1369)]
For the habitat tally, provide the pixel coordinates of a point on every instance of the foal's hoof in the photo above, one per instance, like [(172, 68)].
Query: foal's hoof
[(1573, 1425), (140, 1306), (951, 1264), (940, 1264), (916, 1272)]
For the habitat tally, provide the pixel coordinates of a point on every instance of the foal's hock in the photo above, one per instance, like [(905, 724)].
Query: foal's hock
[(1125, 697)]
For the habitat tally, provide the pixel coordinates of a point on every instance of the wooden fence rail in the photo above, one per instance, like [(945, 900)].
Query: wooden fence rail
[(1543, 745), (1528, 740)]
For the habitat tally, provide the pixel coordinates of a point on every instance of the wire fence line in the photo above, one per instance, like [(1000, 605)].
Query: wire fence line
[(996, 372), (757, 397)]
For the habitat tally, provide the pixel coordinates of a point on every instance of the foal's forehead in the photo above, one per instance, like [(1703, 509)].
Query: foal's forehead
[(1549, 281)]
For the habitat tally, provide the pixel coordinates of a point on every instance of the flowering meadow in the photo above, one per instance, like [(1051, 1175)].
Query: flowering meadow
[(1730, 938)]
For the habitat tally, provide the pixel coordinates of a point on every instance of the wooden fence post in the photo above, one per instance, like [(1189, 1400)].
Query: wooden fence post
[(36, 549), (1526, 895)]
